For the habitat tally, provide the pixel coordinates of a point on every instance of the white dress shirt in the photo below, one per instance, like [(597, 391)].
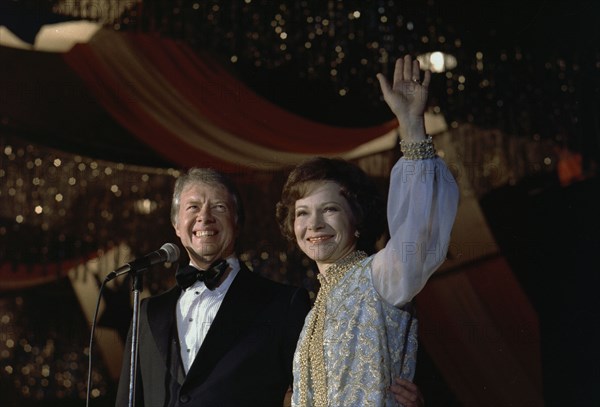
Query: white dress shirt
[(196, 309)]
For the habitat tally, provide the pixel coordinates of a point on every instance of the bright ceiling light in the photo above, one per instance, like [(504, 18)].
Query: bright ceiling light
[(437, 61), (145, 206)]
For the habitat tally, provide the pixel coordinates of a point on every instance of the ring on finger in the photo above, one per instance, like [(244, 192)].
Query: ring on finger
[(416, 80)]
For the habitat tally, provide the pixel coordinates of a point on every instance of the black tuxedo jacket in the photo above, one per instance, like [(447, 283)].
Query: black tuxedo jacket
[(245, 359)]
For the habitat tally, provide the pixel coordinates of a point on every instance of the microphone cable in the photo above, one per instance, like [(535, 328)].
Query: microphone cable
[(92, 332)]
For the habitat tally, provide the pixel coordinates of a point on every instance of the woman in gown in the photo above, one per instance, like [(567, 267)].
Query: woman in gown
[(361, 334)]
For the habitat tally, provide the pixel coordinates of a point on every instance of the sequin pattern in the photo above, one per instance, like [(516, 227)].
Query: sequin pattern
[(366, 343)]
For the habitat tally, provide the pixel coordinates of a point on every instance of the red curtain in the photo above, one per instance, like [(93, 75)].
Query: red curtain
[(483, 334)]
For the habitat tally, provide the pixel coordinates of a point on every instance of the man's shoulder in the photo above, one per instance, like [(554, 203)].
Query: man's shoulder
[(263, 283)]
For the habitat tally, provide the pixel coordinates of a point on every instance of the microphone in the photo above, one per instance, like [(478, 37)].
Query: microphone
[(167, 253)]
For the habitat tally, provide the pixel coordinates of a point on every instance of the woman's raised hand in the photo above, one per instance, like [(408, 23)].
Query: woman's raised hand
[(407, 95)]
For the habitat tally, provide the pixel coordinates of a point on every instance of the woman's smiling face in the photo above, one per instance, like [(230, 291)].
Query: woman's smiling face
[(324, 224)]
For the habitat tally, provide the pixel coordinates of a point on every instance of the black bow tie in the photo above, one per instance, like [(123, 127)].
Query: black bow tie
[(188, 275)]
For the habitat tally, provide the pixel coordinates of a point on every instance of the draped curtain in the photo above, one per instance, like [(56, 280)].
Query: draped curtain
[(194, 112), (482, 333)]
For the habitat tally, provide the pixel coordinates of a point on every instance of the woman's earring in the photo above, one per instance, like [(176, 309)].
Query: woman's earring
[(357, 234)]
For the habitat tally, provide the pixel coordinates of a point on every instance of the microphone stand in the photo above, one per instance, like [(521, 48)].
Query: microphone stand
[(135, 330)]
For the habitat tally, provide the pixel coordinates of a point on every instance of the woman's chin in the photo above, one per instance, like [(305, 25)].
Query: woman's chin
[(318, 252)]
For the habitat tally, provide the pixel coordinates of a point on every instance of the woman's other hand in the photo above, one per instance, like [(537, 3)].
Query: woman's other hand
[(407, 393)]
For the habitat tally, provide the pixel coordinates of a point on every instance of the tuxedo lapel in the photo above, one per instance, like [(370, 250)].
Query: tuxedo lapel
[(161, 319), (237, 312)]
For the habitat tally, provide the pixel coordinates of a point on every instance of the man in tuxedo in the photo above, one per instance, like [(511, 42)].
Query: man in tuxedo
[(223, 336)]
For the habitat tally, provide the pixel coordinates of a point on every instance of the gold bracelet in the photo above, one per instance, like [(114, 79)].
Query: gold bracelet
[(419, 150)]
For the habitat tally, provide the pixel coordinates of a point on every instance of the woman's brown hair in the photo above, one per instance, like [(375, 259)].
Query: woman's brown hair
[(356, 186)]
